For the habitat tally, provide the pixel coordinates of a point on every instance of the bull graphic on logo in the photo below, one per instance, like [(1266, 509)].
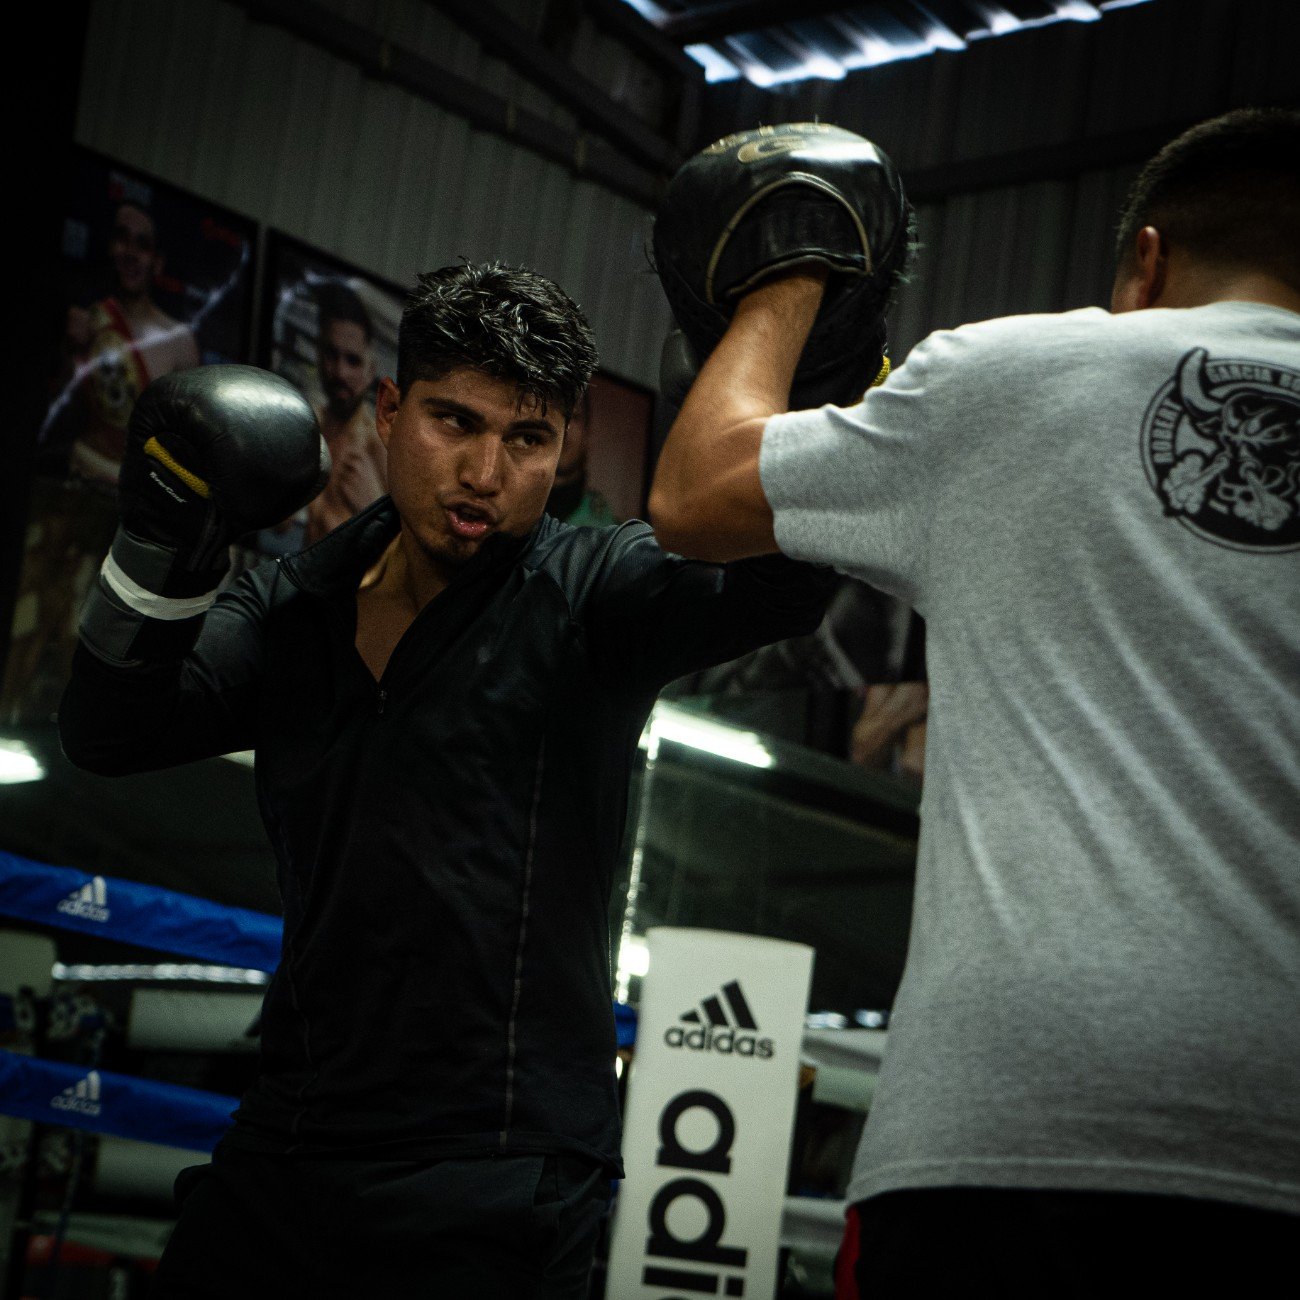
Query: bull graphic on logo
[(1222, 448)]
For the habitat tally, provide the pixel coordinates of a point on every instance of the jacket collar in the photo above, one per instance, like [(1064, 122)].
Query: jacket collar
[(338, 562)]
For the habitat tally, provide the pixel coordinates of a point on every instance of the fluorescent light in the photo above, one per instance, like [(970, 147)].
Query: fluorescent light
[(823, 66), (649, 10), (633, 957), (633, 962), (716, 66), (939, 37), (730, 58), (18, 763), (164, 971), (825, 1020), (708, 735), (244, 757), (1079, 10)]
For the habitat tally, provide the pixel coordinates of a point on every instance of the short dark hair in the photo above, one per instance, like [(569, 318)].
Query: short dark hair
[(504, 320), (1227, 190), (338, 300)]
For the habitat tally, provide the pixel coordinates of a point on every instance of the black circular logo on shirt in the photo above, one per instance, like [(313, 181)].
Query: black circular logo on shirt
[(1221, 446)]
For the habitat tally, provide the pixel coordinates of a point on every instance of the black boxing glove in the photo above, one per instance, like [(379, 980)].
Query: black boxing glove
[(762, 202), (212, 453)]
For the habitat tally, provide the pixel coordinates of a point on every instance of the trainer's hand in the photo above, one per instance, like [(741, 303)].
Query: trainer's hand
[(212, 453)]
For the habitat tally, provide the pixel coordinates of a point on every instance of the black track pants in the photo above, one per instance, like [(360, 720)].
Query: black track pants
[(513, 1228)]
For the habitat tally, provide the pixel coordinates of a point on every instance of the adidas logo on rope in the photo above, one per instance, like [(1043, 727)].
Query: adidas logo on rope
[(90, 902), (81, 1097), (721, 1023)]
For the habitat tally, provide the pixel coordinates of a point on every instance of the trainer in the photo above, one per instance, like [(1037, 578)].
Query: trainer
[(445, 697), (1090, 1087)]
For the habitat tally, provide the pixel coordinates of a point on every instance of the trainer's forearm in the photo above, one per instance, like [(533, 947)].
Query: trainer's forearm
[(709, 464)]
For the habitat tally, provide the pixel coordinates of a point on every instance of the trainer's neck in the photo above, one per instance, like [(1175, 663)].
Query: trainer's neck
[(1199, 285)]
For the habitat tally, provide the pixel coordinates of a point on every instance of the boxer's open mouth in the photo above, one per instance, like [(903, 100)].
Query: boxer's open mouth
[(468, 521)]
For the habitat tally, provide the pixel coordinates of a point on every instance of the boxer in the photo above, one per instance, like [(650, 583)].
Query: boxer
[(445, 696)]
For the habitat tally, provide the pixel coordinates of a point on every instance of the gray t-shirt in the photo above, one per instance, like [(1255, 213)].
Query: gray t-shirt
[(1099, 518)]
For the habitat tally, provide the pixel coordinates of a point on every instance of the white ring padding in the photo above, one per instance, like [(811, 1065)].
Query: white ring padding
[(167, 608)]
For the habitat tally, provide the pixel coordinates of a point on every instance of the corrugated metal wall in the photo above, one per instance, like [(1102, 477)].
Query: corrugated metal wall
[(1126, 83), (268, 124), (261, 121)]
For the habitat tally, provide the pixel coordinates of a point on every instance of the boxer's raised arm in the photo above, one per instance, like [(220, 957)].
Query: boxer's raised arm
[(655, 617), (212, 453)]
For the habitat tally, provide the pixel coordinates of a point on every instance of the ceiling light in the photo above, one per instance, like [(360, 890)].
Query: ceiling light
[(716, 66), (1078, 10), (656, 13)]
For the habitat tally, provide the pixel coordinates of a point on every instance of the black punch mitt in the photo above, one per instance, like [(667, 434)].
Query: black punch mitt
[(761, 202)]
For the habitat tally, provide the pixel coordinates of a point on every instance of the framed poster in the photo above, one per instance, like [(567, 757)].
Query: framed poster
[(154, 279), (331, 330), (603, 476)]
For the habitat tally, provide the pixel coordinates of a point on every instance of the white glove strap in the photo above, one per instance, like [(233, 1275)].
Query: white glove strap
[(148, 603)]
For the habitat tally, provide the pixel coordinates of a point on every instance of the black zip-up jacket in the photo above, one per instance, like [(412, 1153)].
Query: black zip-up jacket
[(445, 838)]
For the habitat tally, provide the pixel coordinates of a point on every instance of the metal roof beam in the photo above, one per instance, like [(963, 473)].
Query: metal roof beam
[(430, 81), (530, 59), (618, 18), (713, 22)]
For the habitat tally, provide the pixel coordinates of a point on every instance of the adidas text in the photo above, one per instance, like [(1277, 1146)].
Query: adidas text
[(707, 1038)]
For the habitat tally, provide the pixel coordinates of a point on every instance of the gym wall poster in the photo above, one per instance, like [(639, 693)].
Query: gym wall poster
[(154, 279), (330, 329), (604, 471)]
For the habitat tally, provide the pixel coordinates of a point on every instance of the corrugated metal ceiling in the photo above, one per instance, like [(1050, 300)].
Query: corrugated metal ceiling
[(770, 42)]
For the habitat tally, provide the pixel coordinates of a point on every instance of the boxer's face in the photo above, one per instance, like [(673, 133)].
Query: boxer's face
[(468, 457), (346, 370)]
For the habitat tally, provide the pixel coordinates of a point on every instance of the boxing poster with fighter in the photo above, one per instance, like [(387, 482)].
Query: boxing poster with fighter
[(604, 471), (330, 329), (154, 279)]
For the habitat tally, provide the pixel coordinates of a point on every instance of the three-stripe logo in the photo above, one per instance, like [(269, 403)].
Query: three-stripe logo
[(81, 1097), (89, 902), (741, 1016)]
